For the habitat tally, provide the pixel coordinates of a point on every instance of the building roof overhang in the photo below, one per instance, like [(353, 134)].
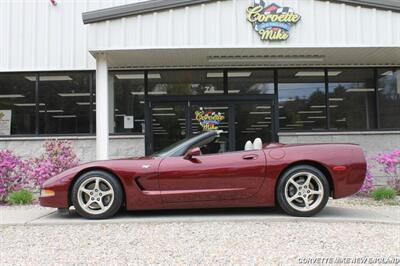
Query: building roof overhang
[(245, 57), (144, 7)]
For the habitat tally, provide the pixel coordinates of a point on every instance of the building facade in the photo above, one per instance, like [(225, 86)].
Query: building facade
[(128, 78)]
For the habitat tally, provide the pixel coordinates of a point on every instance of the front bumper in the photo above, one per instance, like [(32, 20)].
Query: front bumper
[(55, 192), (56, 201)]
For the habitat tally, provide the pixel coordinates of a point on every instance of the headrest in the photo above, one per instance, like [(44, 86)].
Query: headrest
[(257, 144), (248, 146)]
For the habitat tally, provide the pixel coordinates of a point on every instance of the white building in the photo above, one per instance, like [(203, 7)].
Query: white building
[(131, 75)]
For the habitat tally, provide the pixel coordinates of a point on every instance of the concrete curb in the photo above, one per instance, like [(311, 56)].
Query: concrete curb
[(328, 215)]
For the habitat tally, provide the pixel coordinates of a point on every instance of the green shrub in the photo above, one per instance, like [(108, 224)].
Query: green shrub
[(20, 197), (384, 193)]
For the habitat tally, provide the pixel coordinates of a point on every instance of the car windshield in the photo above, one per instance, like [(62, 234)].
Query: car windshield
[(182, 144), (164, 152)]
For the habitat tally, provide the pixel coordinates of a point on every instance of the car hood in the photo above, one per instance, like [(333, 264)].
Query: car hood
[(115, 165)]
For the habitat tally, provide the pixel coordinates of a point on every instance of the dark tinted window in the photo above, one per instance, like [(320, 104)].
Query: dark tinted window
[(251, 82), (64, 103), (389, 97), (351, 99), (186, 82), (17, 99), (129, 101), (301, 99)]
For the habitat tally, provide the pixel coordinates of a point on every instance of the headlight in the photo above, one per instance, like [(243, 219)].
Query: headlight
[(47, 193)]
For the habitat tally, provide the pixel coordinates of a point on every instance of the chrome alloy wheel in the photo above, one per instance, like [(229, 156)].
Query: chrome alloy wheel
[(304, 191), (95, 195)]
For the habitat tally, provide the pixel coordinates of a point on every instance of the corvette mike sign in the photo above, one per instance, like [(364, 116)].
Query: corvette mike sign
[(209, 120), (272, 22)]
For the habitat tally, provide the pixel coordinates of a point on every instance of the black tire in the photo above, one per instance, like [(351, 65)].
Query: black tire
[(113, 208), (282, 200)]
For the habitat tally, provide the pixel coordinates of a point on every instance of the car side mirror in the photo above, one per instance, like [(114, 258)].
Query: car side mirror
[(192, 153)]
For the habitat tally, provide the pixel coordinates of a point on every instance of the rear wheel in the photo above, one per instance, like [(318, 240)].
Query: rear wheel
[(97, 195), (303, 190)]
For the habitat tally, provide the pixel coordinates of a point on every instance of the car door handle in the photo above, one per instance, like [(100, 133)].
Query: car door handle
[(250, 157)]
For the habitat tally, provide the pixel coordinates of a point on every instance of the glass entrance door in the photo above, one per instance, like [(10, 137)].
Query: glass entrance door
[(253, 120), (209, 116), (168, 124), (238, 121)]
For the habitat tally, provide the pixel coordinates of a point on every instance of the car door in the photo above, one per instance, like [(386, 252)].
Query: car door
[(221, 176)]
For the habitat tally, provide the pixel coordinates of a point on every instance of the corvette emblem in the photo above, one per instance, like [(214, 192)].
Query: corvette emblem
[(145, 166)]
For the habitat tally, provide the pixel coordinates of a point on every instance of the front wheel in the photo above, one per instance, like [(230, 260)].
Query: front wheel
[(302, 191), (97, 195)]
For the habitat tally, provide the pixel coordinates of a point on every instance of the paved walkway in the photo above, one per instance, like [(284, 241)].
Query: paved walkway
[(43, 216)]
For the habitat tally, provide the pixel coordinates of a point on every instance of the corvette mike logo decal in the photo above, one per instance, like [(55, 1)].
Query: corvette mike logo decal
[(272, 22), (209, 120)]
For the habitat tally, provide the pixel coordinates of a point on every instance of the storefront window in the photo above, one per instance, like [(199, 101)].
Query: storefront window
[(17, 101), (129, 102), (389, 97), (186, 82), (168, 124), (64, 100), (253, 120), (351, 99), (251, 82), (64, 103), (302, 99)]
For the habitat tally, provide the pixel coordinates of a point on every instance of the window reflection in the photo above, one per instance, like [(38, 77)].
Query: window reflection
[(64, 103), (251, 82), (254, 120), (168, 124), (389, 97), (64, 97), (129, 102), (186, 82), (301, 99), (17, 97), (351, 99)]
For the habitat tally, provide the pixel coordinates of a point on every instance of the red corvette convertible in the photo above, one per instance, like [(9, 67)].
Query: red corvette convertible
[(196, 173)]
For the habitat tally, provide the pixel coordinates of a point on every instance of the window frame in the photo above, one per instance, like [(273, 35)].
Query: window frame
[(223, 79), (326, 90), (374, 123), (377, 97), (328, 129), (225, 71)]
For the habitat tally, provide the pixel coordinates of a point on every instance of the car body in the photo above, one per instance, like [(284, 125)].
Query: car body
[(181, 177)]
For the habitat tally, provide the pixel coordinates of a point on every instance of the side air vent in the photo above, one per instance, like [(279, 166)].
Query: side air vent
[(137, 181)]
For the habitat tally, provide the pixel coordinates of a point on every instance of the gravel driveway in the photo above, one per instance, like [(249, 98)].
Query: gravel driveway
[(244, 242), (205, 243)]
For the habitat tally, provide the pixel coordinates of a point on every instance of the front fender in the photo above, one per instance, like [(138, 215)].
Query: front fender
[(130, 172), (60, 185)]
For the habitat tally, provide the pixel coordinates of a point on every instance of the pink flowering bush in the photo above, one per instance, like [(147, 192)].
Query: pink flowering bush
[(16, 173), (12, 174), (368, 185), (58, 157), (391, 164)]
